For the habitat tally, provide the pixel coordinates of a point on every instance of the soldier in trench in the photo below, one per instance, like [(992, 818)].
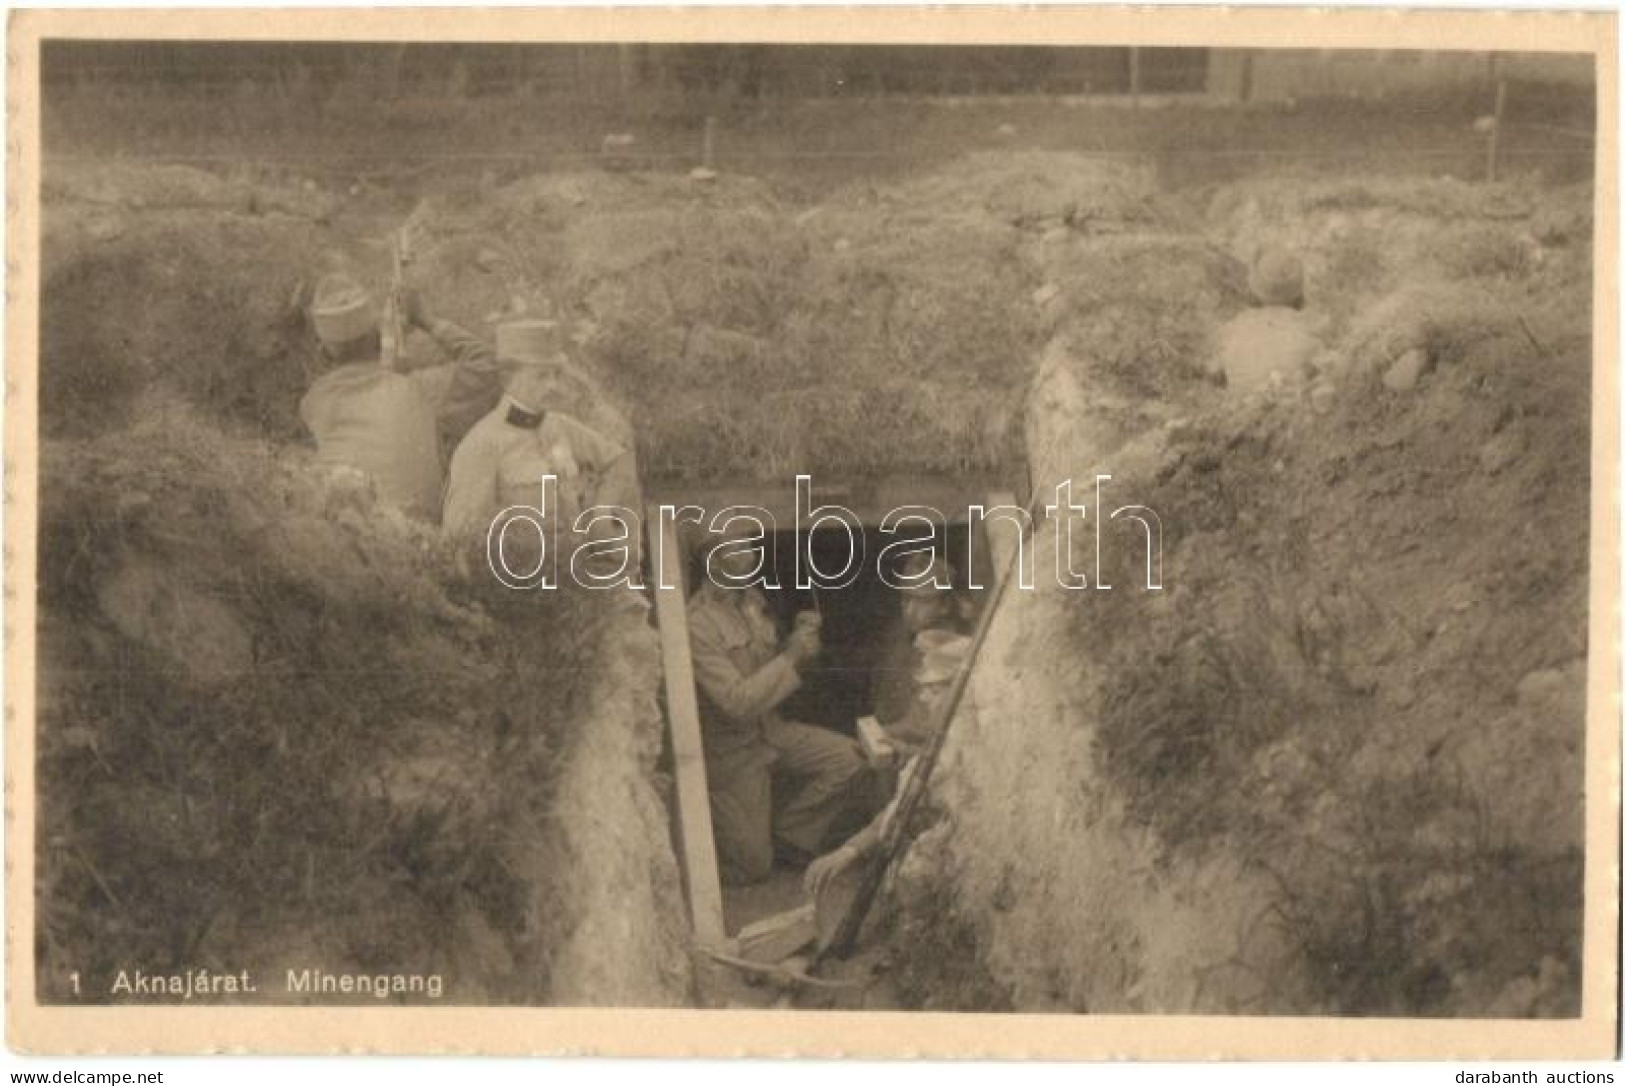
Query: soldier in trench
[(1273, 340), (394, 427), (910, 685), (777, 787), (930, 681), (932, 612), (535, 433)]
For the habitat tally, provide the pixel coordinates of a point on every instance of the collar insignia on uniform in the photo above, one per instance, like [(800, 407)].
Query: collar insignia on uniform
[(525, 420)]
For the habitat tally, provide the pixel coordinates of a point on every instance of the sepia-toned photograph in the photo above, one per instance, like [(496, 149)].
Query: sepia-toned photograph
[(1071, 530)]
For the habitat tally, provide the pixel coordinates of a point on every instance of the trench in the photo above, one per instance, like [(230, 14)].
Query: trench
[(1080, 358), (861, 619)]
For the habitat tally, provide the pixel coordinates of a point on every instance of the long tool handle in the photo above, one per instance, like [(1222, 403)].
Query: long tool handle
[(846, 933), (394, 327)]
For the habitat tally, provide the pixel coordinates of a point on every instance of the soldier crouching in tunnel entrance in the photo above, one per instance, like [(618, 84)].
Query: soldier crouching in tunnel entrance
[(932, 613), (777, 787)]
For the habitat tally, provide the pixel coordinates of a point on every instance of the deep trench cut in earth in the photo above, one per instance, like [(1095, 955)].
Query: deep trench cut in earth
[(1351, 726)]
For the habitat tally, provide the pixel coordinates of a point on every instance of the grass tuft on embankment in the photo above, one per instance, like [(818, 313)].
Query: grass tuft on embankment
[(274, 733), (1374, 615)]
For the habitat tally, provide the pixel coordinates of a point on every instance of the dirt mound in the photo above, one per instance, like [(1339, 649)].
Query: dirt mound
[(720, 315), (274, 732), (1443, 321), (1362, 239), (1138, 310), (208, 304), (204, 304), (1033, 188), (1285, 783), (1333, 723), (736, 334), (609, 192), (138, 187), (172, 186)]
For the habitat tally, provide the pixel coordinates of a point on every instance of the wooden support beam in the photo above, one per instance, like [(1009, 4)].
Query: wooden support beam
[(1000, 542), (695, 839), (870, 498)]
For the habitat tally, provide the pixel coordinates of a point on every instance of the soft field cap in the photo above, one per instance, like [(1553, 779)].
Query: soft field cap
[(938, 667), (341, 310), (1277, 278), (919, 564), (944, 643)]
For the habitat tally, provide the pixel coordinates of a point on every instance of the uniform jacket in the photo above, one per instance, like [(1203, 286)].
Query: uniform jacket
[(391, 425), (500, 464), (741, 675)]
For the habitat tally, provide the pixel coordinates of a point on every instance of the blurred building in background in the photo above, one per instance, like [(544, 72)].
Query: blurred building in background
[(793, 71)]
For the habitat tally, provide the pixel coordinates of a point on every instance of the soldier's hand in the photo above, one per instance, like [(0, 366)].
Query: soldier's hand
[(803, 644), (822, 871)]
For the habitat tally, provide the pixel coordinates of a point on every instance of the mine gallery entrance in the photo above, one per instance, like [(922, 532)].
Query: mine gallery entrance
[(866, 640), (862, 623)]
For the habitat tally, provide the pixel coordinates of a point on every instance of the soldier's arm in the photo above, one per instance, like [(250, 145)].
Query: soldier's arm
[(866, 840), (590, 446), (461, 346), (471, 383), (739, 696), (471, 493), (611, 461)]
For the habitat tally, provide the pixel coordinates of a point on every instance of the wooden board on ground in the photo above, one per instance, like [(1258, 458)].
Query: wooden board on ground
[(833, 902), (699, 851), (775, 938)]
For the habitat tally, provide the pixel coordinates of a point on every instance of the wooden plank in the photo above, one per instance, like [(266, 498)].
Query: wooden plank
[(870, 498), (775, 938), (698, 845), (1000, 541)]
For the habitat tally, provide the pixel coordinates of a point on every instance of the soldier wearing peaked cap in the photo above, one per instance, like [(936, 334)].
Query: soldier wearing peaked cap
[(533, 434)]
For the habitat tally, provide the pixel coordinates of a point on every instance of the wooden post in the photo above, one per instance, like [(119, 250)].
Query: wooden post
[(695, 839), (1134, 75), (1494, 148), (1000, 543), (708, 144)]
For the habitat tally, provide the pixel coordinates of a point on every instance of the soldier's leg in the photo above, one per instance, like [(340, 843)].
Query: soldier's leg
[(823, 778), (742, 821)]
